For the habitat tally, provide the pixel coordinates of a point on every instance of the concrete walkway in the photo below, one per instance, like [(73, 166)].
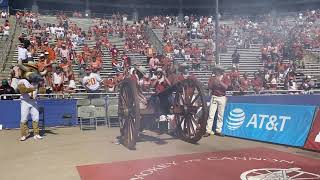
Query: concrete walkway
[(57, 156)]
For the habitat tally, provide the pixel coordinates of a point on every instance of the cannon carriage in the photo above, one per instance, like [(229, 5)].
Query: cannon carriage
[(184, 100)]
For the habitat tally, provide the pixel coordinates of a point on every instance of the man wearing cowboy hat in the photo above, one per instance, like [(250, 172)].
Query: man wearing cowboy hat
[(218, 101)]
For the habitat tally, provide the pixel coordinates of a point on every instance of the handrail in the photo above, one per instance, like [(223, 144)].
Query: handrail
[(4, 57), (115, 95), (155, 41)]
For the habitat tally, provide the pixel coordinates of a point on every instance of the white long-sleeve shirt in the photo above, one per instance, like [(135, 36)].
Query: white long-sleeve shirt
[(22, 53)]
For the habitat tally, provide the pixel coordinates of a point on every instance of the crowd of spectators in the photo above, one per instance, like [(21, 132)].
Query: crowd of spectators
[(5, 27), (285, 40), (54, 45)]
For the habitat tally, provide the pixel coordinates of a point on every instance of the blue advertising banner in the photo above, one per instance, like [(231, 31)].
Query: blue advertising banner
[(3, 3), (54, 112), (282, 124)]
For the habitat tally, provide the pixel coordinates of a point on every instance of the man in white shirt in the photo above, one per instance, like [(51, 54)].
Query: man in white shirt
[(6, 31), (28, 89), (22, 53), (153, 64), (91, 82)]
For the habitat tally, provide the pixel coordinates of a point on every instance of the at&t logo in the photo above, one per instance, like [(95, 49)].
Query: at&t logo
[(235, 119), (269, 122)]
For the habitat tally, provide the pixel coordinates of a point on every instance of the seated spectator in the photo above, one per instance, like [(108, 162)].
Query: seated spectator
[(291, 85), (153, 64), (15, 76), (5, 88), (195, 64), (64, 52), (234, 74), (306, 84), (245, 83), (91, 82), (257, 83), (71, 88), (95, 65), (168, 49), (64, 65), (126, 60), (58, 80), (272, 82), (6, 30), (114, 53), (109, 84), (116, 66)]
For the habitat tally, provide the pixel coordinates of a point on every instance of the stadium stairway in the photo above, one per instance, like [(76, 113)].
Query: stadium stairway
[(12, 57)]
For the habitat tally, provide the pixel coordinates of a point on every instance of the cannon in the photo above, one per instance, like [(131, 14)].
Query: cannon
[(184, 100)]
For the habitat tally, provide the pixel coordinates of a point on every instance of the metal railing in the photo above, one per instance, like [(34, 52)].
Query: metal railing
[(115, 94), (153, 38), (8, 46)]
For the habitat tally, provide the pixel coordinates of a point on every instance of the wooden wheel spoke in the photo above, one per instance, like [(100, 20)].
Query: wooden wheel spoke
[(186, 127), (191, 127), (183, 100), (195, 98), (195, 122)]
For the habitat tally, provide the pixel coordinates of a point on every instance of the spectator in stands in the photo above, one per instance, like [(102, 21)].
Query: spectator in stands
[(15, 75), (168, 49), (245, 83), (109, 84), (58, 80), (64, 53), (291, 85), (116, 66), (150, 51), (95, 65), (114, 53), (22, 53), (153, 64), (71, 88), (218, 101), (91, 82), (5, 88), (235, 59), (6, 30), (196, 63), (306, 85), (272, 82), (126, 61), (257, 83)]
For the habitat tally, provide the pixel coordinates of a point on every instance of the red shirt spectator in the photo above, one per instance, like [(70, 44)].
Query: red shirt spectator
[(114, 52), (245, 83), (153, 63), (257, 83), (126, 60)]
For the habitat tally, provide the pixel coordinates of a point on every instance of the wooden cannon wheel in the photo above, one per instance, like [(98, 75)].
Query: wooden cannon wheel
[(128, 113), (190, 110)]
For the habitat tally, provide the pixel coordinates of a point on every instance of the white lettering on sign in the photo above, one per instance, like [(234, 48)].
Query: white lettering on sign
[(152, 170), (247, 159), (161, 167), (268, 122)]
